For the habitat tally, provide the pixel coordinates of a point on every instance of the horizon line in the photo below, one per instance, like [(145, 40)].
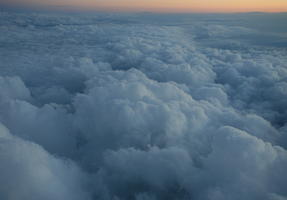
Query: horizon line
[(125, 10)]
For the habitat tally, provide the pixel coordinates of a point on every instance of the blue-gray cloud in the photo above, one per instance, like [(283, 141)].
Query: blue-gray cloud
[(142, 106)]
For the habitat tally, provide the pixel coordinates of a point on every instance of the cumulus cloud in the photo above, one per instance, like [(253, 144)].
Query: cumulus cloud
[(13, 88), (141, 106), (29, 172)]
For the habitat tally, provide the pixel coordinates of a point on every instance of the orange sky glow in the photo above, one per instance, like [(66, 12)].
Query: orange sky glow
[(175, 5)]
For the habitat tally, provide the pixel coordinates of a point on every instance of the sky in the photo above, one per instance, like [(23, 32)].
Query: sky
[(169, 5)]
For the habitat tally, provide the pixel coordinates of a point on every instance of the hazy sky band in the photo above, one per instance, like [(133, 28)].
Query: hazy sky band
[(168, 5)]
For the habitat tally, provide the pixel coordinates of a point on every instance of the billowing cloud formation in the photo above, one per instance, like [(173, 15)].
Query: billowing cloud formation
[(142, 106), (29, 172)]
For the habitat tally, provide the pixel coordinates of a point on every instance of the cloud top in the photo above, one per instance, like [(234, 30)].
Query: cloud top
[(142, 107)]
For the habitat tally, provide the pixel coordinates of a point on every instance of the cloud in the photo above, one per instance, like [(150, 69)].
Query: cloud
[(13, 87), (140, 106), (28, 172), (171, 172)]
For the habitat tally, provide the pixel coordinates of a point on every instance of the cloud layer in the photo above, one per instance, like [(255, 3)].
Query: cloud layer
[(142, 106)]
